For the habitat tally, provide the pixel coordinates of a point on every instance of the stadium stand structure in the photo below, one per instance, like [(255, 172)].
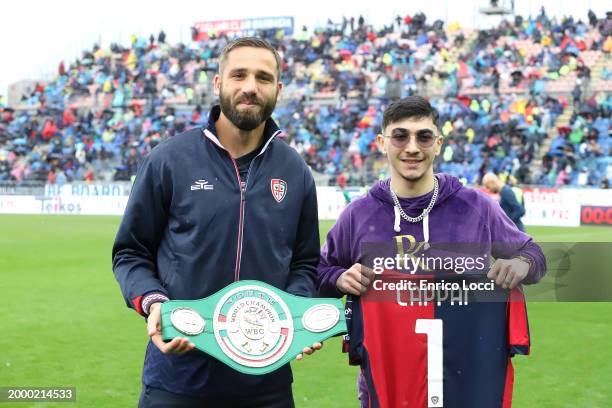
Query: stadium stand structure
[(529, 98)]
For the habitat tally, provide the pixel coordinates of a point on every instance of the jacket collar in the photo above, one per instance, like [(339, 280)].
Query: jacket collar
[(271, 130)]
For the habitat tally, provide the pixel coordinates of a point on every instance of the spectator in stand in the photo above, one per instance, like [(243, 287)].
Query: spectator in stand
[(507, 199)]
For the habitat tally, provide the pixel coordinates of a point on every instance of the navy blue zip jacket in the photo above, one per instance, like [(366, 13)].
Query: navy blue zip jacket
[(191, 227)]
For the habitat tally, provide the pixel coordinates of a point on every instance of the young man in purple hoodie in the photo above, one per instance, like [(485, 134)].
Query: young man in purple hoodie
[(428, 354)]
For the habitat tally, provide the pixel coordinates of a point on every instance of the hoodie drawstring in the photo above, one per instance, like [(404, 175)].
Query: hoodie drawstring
[(426, 231), (396, 226)]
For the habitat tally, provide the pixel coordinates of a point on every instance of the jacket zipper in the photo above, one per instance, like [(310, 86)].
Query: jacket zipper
[(242, 187)]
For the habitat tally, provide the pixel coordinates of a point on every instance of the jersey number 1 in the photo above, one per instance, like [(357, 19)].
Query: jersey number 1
[(433, 329)]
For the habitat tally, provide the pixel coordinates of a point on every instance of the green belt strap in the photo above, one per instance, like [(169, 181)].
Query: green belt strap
[(251, 326)]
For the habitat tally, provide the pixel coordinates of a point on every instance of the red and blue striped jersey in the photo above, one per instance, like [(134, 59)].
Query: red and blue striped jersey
[(436, 354)]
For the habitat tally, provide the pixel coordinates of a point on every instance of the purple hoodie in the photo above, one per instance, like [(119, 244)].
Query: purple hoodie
[(460, 214)]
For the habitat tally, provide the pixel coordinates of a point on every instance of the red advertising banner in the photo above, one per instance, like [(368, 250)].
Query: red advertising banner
[(244, 26)]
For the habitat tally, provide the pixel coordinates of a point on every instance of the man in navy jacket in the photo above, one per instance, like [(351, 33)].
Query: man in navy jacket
[(212, 206)]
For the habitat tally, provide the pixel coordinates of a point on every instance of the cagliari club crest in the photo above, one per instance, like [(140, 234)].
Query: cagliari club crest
[(279, 189)]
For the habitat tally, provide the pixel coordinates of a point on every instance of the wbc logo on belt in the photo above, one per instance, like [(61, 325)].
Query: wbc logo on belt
[(279, 189), (253, 326)]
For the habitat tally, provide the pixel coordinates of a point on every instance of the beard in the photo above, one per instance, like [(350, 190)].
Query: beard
[(249, 119)]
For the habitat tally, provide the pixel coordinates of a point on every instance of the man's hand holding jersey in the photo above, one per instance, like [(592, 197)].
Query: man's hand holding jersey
[(509, 273), (355, 280)]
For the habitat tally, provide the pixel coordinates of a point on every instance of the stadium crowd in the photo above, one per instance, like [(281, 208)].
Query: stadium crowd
[(502, 94)]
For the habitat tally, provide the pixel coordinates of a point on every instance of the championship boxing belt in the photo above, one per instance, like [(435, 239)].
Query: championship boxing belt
[(251, 326)]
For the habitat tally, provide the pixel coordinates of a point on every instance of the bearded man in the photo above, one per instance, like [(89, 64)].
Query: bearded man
[(212, 206)]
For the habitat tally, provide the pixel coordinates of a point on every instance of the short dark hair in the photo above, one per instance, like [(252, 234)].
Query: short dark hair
[(250, 42), (411, 107)]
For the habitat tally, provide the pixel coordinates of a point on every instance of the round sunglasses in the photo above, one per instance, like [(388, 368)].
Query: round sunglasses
[(400, 138)]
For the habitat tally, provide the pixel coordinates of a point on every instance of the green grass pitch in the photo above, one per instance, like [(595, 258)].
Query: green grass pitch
[(64, 323)]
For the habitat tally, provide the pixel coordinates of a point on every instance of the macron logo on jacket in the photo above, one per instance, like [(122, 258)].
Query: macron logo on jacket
[(201, 185)]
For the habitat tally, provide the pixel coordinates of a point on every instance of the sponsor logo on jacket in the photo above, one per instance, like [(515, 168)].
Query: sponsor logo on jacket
[(201, 185)]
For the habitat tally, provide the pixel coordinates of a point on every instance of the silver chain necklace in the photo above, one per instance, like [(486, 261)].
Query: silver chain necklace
[(426, 211)]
